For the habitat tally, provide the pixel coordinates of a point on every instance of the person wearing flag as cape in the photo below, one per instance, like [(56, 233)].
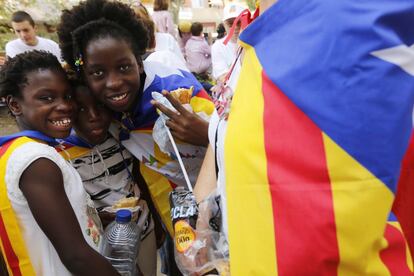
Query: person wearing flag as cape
[(48, 225), (326, 130)]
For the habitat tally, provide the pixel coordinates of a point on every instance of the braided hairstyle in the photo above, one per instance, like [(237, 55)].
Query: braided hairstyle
[(96, 19), (13, 74)]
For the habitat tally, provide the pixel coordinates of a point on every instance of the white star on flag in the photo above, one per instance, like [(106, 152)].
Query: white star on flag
[(402, 56)]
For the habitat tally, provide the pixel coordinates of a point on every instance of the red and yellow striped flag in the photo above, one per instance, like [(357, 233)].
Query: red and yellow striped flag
[(318, 126), (12, 245)]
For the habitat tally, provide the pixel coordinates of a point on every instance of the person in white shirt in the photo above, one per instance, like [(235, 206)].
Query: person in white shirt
[(222, 56), (163, 19), (166, 42), (25, 29), (162, 47)]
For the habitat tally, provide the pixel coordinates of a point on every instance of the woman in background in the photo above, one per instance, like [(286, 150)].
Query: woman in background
[(163, 18)]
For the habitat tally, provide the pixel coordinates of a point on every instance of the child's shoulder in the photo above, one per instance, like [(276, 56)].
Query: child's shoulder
[(23, 151), (10, 144), (27, 148)]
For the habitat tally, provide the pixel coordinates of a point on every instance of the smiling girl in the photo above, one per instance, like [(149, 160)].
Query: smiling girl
[(103, 41), (47, 225)]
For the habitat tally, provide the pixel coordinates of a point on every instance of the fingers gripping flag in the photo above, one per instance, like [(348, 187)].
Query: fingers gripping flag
[(318, 126)]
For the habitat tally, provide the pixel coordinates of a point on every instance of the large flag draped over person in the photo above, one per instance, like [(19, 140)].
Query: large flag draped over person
[(318, 127)]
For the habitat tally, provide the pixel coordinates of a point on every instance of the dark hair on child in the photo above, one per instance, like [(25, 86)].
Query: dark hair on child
[(221, 31), (21, 16), (95, 19), (13, 74), (196, 28)]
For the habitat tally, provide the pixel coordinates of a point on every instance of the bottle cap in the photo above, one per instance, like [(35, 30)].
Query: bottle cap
[(123, 215)]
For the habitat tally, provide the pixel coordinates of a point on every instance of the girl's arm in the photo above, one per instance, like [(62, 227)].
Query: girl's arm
[(42, 186), (206, 181)]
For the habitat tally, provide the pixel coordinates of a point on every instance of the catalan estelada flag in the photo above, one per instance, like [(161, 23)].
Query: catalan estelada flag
[(319, 124)]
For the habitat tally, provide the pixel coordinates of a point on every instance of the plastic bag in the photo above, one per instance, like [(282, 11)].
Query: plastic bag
[(200, 247), (159, 132)]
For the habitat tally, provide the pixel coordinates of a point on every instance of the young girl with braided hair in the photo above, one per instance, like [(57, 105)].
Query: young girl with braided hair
[(48, 223), (103, 42)]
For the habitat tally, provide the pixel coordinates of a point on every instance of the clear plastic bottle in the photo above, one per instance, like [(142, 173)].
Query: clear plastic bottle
[(121, 243)]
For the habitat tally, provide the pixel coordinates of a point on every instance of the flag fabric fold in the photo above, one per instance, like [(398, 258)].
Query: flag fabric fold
[(318, 126)]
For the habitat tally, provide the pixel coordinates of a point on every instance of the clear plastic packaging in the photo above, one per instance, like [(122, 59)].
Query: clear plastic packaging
[(200, 246), (159, 131)]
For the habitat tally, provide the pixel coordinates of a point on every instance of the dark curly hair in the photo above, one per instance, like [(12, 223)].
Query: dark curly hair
[(13, 74), (221, 31), (95, 19)]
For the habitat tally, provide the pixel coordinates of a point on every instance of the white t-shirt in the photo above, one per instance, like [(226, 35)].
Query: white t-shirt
[(166, 42), (167, 58), (222, 57), (17, 46), (164, 22), (217, 141), (43, 255)]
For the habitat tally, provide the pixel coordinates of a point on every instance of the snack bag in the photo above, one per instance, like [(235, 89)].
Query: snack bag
[(200, 249), (209, 229)]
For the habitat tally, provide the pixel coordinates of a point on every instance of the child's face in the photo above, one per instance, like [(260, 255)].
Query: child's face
[(93, 119), (112, 72), (46, 104)]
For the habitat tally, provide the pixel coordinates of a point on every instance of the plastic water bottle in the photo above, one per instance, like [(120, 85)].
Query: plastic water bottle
[(121, 243)]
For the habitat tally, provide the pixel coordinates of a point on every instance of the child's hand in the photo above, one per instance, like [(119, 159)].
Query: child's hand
[(183, 124)]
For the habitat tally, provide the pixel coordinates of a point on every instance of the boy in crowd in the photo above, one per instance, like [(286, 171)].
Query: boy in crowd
[(197, 50), (25, 29)]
